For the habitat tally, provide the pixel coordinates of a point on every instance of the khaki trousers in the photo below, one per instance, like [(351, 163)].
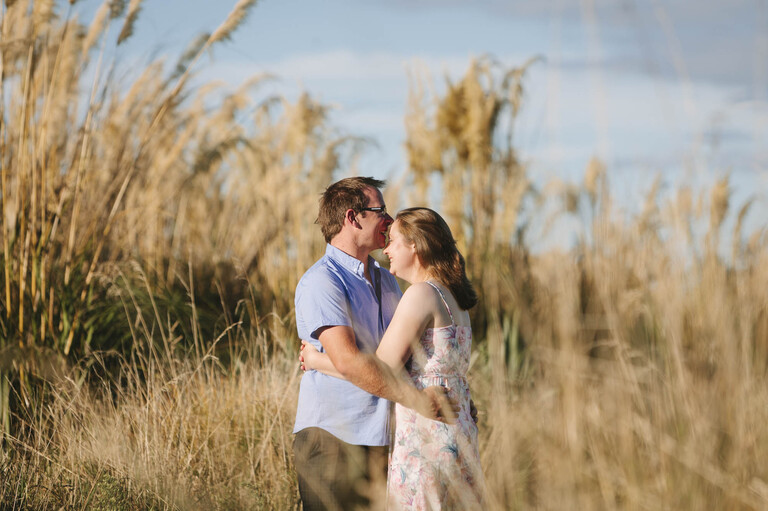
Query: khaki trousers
[(337, 476)]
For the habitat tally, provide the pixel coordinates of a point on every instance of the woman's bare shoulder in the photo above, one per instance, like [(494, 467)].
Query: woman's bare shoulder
[(420, 289), (421, 295), (417, 306)]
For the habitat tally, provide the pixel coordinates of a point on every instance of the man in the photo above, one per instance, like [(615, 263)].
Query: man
[(344, 303)]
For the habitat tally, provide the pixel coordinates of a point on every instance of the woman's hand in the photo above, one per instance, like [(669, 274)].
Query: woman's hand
[(311, 359), (308, 356)]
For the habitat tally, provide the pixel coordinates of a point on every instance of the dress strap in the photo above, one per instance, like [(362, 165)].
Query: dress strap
[(442, 297)]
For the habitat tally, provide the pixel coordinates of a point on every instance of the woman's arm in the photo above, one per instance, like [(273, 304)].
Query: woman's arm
[(414, 313)]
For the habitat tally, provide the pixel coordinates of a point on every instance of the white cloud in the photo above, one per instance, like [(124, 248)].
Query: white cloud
[(339, 65), (570, 112)]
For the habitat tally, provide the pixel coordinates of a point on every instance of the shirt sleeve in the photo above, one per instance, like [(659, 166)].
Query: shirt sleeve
[(321, 301)]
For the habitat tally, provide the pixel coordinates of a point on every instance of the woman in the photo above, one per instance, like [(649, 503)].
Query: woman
[(433, 465)]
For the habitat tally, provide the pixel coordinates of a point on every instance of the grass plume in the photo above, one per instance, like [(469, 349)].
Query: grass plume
[(153, 236), (234, 19)]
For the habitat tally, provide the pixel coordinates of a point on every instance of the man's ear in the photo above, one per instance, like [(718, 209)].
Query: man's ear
[(350, 215)]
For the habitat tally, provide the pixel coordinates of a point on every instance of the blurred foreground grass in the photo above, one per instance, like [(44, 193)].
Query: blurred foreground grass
[(153, 233)]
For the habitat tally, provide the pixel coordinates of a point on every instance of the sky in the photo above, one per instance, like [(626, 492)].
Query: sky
[(670, 88)]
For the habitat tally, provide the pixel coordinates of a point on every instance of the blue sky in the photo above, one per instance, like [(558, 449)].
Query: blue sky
[(671, 87)]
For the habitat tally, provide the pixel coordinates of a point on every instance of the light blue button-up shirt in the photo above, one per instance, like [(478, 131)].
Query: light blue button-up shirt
[(335, 292)]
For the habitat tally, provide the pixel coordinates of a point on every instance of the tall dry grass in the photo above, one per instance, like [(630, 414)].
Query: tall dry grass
[(625, 373), (170, 432), (104, 164), (641, 385), (649, 371), (628, 372)]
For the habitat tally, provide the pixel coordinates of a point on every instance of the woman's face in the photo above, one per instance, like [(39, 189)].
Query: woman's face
[(402, 255)]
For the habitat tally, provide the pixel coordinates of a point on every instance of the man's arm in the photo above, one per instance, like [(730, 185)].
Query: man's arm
[(361, 369), (403, 332), (370, 374)]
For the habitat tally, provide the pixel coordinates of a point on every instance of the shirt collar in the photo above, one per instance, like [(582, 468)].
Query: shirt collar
[(347, 261)]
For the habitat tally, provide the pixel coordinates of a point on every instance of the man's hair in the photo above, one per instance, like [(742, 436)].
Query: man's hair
[(342, 195)]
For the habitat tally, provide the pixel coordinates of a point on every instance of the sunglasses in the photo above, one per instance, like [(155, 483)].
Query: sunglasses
[(381, 210)]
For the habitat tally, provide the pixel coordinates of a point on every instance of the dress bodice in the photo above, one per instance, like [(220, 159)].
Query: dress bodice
[(442, 354)]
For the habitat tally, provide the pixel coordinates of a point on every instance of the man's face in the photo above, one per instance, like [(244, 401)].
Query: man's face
[(374, 223)]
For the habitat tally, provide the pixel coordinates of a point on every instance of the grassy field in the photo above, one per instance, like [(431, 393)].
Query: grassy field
[(150, 248)]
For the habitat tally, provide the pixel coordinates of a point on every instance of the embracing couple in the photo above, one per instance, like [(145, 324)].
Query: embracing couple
[(360, 335)]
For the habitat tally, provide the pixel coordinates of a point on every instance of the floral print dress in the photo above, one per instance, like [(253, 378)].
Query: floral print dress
[(435, 465)]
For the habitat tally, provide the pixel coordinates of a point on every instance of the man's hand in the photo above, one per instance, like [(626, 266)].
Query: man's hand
[(438, 406)]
